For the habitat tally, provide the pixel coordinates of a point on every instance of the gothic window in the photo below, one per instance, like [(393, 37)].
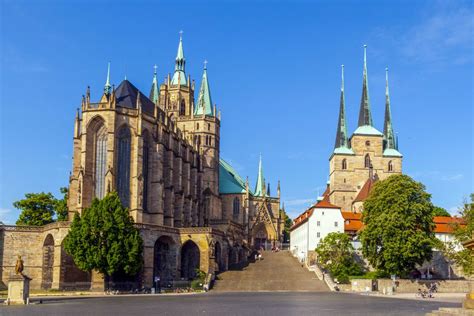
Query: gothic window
[(236, 208), (100, 162), (367, 161), (208, 126), (182, 108), (344, 164), (210, 140), (145, 171), (123, 165), (390, 166), (197, 126)]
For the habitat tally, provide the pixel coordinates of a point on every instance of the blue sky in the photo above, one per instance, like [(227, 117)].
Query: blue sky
[(274, 71)]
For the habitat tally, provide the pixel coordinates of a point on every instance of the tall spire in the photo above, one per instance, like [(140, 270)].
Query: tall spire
[(107, 86), (154, 87), (388, 135), (341, 134), (365, 117), (260, 186), (204, 103), (179, 76)]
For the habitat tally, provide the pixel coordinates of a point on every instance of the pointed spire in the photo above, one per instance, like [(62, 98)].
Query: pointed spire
[(341, 133), (260, 186), (365, 117), (179, 76), (388, 135), (268, 189), (204, 104), (107, 86), (154, 94)]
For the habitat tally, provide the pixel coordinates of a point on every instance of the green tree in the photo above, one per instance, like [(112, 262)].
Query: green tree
[(61, 206), (439, 211), (105, 239), (462, 233), (37, 209), (287, 226), (336, 254), (398, 219)]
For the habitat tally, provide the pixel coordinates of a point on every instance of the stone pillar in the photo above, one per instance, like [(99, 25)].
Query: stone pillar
[(97, 282), (18, 290)]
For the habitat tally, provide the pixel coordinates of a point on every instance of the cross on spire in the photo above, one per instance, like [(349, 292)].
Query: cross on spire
[(205, 63), (181, 35), (155, 67)]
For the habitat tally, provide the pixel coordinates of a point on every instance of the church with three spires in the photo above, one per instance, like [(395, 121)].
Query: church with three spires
[(365, 157), (161, 154)]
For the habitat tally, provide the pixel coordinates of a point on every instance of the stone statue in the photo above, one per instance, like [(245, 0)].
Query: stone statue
[(19, 266)]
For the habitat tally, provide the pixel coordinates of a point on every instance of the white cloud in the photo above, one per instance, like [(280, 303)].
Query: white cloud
[(298, 202), (4, 215), (445, 35)]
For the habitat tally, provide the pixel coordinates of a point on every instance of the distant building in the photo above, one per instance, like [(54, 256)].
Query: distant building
[(313, 226)]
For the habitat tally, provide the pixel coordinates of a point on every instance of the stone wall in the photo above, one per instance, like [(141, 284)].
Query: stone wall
[(412, 286)]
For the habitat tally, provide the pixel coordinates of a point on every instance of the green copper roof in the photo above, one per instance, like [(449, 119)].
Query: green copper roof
[(341, 133), (392, 153), (204, 103), (154, 88), (367, 130), (260, 186), (229, 180), (343, 151), (179, 76), (365, 117), (388, 135), (107, 86)]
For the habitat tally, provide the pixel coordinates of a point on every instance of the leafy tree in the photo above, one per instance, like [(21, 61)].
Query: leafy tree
[(287, 226), (462, 233), (61, 206), (37, 209), (439, 211), (104, 238), (336, 254), (398, 219)]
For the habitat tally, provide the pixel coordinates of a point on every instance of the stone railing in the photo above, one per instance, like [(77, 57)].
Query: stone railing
[(19, 228)]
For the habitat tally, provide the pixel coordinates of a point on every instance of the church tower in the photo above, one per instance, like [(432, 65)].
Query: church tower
[(368, 154), (199, 123)]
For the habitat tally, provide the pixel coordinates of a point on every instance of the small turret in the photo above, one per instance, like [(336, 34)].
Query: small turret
[(204, 104), (179, 76), (107, 86), (154, 94)]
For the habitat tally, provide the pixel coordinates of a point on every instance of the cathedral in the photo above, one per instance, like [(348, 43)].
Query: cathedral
[(161, 153), (367, 156)]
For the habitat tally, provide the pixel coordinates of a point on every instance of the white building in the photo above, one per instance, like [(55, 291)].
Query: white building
[(312, 226)]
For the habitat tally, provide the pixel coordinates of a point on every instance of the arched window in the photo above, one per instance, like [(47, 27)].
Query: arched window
[(236, 208), (145, 166), (210, 140), (344, 164), (100, 162), (123, 165), (367, 161), (182, 108), (208, 126), (390, 166), (197, 126)]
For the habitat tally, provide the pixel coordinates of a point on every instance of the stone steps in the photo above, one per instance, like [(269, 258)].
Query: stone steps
[(276, 272)]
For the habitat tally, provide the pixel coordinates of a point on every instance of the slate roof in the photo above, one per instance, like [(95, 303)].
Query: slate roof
[(126, 97)]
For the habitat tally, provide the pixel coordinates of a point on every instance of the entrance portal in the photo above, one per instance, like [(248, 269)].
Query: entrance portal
[(164, 261), (190, 260), (260, 238)]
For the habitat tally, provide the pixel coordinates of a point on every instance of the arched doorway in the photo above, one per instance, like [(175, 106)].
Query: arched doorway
[(190, 260), (218, 257), (164, 262), (260, 237), (71, 277), (48, 262)]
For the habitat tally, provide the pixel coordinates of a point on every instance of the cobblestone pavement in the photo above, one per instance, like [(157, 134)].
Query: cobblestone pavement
[(276, 272), (259, 303)]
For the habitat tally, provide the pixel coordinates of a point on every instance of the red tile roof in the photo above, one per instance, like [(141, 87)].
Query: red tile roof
[(364, 192), (352, 221), (446, 224)]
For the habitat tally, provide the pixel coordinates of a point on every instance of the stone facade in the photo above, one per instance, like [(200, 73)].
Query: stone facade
[(161, 154)]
